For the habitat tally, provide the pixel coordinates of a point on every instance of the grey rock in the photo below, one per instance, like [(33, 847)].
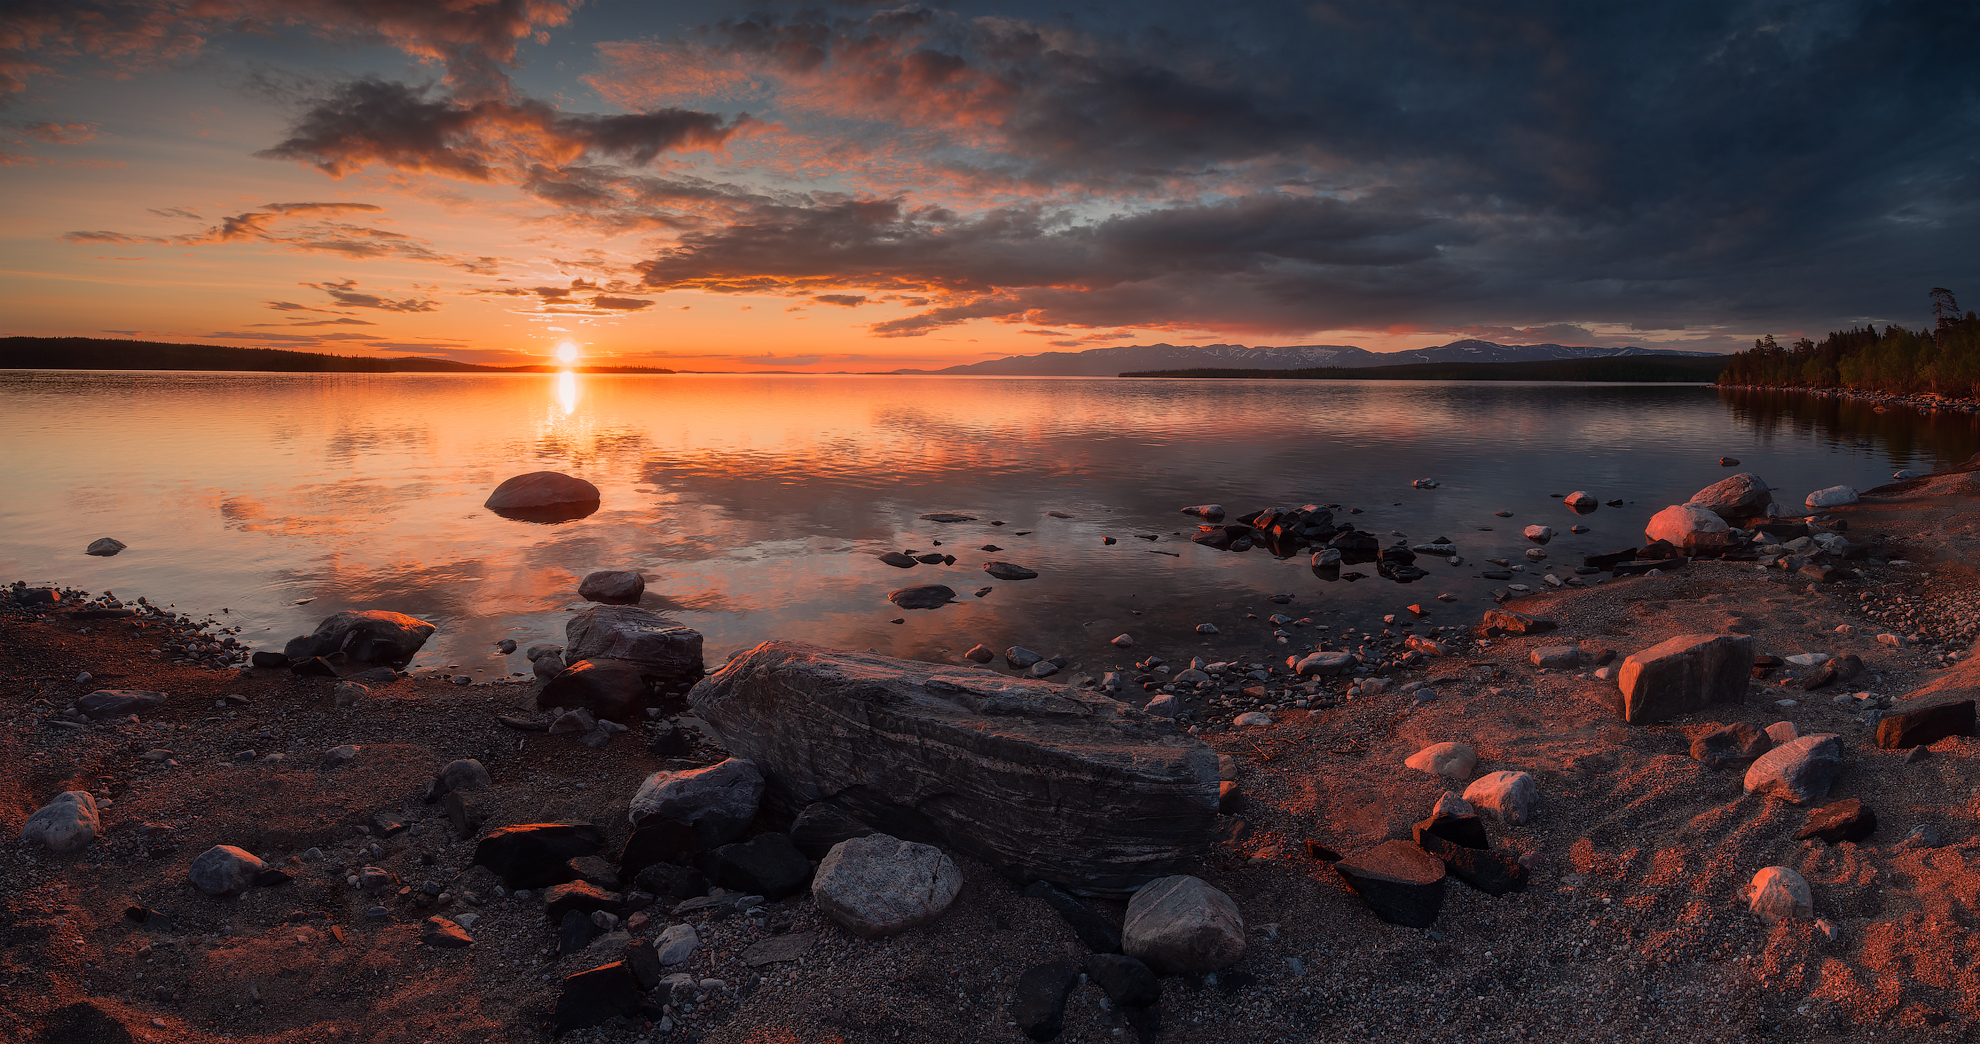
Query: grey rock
[(104, 547), (1509, 797), (338, 757), (1687, 673), (371, 636), (1069, 786), (349, 694), (1207, 512), (979, 654), (464, 774), (1730, 745), (224, 870), (1833, 496), (1323, 664), (1017, 657), (115, 703), (1735, 498), (65, 824), (1556, 657), (612, 586), (1777, 893), (660, 648), (543, 649), (719, 801), (1799, 771), (878, 885), (1181, 925), (1691, 527), (1008, 571), (676, 944)]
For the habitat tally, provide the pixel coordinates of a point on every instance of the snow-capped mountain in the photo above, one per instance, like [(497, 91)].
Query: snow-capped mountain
[(1106, 362)]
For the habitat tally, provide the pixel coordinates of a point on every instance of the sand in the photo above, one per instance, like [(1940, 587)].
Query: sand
[(1632, 924)]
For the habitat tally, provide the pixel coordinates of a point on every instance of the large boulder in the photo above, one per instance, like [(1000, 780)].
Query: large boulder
[(543, 496), (719, 801), (1733, 499), (612, 586), (1181, 926), (1691, 527), (659, 647), (878, 885), (1687, 673), (613, 689), (1925, 726), (365, 636), (1038, 780), (65, 824)]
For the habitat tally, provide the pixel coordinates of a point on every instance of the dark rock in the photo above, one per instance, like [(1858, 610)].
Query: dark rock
[(272, 877), (533, 855), (1799, 771), (594, 870), (946, 516), (576, 931), (658, 839), (1845, 820), (1126, 981), (822, 825), (383, 827), (719, 801), (102, 614), (613, 587), (1464, 831), (1068, 786), (582, 896), (927, 596), (1925, 726), (612, 689), (662, 649), (115, 703), (1230, 799), (1020, 658), (464, 814), (644, 962), (1040, 1005), (372, 636), (931, 558), (1092, 930), (1009, 571), (592, 997), (1730, 745), (898, 560), (1493, 873), (1316, 850), (444, 934), (767, 865), (680, 882), (105, 547), (1401, 883), (1644, 565), (546, 497), (268, 660)]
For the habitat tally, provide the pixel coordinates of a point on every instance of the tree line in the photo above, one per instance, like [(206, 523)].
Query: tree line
[(1942, 359)]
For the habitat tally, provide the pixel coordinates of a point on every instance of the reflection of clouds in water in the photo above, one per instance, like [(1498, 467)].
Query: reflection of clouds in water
[(347, 445), (327, 509)]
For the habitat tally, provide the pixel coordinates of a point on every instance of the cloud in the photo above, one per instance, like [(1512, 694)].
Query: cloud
[(59, 133), (842, 300), (620, 304), (346, 294), (326, 235), (371, 121), (174, 212), (318, 322), (1556, 333)]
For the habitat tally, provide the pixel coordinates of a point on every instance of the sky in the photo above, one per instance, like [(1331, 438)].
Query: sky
[(848, 186)]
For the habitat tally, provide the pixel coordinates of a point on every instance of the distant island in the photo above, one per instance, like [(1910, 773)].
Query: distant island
[(1632, 369), (1170, 358), (99, 353)]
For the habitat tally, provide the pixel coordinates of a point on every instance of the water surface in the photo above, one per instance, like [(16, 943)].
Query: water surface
[(755, 504)]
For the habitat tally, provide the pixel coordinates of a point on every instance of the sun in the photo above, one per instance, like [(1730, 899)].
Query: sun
[(567, 353)]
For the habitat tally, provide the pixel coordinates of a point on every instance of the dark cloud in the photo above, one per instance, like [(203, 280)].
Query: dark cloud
[(410, 128), (346, 294), (842, 300), (620, 304), (325, 235)]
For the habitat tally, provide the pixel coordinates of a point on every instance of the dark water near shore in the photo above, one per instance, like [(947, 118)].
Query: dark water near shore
[(755, 505)]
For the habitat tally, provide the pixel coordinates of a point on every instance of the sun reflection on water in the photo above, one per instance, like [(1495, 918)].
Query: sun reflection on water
[(567, 391)]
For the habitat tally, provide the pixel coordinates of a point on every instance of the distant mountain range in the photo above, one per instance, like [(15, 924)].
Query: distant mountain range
[(1106, 362)]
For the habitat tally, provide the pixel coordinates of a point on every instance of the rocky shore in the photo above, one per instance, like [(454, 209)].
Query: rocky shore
[(1728, 791)]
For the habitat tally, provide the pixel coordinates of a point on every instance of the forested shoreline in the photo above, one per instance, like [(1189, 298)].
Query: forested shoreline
[(1944, 361)]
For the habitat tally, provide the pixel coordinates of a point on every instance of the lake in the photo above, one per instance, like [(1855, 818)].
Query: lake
[(755, 505)]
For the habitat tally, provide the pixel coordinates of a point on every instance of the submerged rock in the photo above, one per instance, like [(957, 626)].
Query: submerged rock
[(1008, 571), (926, 596), (1038, 780), (541, 489)]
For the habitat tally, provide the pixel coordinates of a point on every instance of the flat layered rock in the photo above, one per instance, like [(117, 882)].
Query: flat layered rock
[(1038, 780), (659, 647), (1687, 673), (1401, 883), (115, 703)]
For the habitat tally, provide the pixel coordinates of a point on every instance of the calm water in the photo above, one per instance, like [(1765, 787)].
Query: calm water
[(755, 505)]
